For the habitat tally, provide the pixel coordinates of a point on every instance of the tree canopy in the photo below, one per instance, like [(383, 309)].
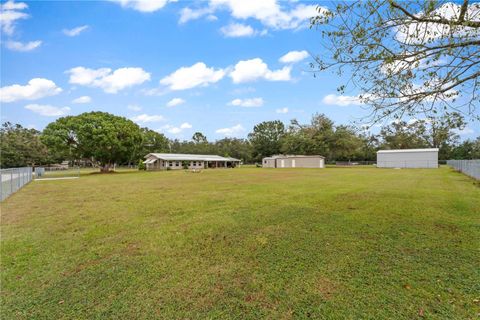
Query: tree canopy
[(105, 137), (266, 138), (21, 147), (405, 57)]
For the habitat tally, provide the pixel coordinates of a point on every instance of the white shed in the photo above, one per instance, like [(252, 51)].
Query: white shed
[(294, 161), (408, 158)]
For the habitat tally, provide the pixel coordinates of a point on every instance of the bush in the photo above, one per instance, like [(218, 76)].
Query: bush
[(141, 165), (185, 164)]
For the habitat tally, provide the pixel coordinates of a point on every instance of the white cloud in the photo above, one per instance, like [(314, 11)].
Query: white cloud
[(176, 130), (243, 90), (175, 102), (143, 5), (465, 131), (411, 63), (187, 14), (12, 5), (294, 56), (35, 89), (254, 69), (144, 118), (134, 107), (23, 47), (75, 31), (340, 100), (189, 77), (248, 103), (269, 12), (212, 17), (10, 12), (282, 110), (236, 30), (48, 110), (228, 132), (414, 32), (110, 82), (272, 14), (85, 76), (82, 99)]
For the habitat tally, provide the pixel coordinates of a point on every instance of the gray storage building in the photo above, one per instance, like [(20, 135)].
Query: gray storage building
[(408, 158), (294, 161)]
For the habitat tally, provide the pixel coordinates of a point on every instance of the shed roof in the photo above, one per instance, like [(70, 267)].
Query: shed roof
[(285, 156), (190, 157), (408, 150)]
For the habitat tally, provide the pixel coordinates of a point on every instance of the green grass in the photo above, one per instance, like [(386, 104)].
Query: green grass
[(249, 243)]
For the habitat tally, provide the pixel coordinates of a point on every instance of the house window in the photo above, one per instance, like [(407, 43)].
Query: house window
[(177, 163), (171, 164), (192, 163)]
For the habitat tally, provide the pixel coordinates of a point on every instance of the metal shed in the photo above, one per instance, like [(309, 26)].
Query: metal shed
[(293, 161), (408, 158)]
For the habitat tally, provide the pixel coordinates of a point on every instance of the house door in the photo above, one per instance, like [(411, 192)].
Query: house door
[(282, 163), (293, 163)]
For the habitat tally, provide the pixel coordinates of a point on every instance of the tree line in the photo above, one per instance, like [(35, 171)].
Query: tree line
[(103, 139)]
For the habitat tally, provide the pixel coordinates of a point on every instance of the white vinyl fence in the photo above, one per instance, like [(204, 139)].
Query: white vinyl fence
[(14, 179), (469, 167)]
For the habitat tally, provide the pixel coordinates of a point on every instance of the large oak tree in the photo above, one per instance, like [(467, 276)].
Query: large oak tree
[(102, 136)]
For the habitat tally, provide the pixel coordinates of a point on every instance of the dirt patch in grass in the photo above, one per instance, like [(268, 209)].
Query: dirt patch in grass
[(326, 287)]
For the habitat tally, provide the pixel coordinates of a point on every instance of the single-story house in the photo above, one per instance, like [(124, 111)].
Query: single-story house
[(408, 158), (162, 161), (293, 161)]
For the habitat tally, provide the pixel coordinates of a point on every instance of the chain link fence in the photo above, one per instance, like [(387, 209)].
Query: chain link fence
[(469, 167), (14, 179), (354, 163), (56, 173), (408, 164)]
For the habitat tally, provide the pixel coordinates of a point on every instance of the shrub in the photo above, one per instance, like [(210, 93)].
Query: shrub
[(141, 165)]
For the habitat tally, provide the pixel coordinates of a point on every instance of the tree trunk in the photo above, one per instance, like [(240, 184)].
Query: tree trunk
[(105, 168)]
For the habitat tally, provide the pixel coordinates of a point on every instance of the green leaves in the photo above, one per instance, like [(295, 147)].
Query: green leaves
[(266, 138), (21, 147), (106, 138), (388, 49)]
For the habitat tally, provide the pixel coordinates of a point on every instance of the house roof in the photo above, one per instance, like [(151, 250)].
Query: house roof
[(281, 156), (408, 150), (151, 160), (190, 157)]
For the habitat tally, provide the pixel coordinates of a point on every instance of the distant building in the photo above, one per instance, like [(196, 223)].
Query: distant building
[(293, 161), (408, 158), (162, 161)]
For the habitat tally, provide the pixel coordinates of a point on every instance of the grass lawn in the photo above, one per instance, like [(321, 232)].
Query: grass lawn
[(248, 243)]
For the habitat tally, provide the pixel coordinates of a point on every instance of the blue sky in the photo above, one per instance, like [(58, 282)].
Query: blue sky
[(217, 67)]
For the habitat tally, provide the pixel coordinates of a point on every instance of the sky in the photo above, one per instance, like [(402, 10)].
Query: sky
[(217, 67)]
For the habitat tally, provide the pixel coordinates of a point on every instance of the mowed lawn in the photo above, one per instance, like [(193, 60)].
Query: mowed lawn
[(249, 243)]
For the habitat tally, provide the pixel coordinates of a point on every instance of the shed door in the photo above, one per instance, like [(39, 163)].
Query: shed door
[(282, 163), (293, 163)]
